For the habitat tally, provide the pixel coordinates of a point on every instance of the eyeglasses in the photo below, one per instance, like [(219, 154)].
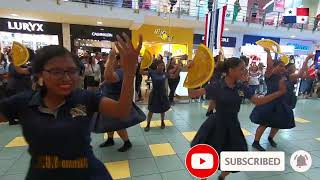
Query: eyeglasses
[(60, 74)]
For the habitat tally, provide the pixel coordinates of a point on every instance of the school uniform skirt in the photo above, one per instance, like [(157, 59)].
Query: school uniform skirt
[(158, 101), (276, 114), (222, 132), (102, 123)]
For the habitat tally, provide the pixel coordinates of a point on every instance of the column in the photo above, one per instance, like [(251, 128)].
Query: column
[(66, 36)]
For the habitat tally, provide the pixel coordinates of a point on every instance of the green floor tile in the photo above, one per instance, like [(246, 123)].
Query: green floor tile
[(13, 177), (20, 166), (148, 177), (5, 164), (169, 163), (156, 139), (176, 175), (139, 152), (12, 153), (141, 167)]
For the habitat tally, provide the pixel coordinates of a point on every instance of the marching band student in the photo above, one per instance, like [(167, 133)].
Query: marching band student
[(111, 88), (222, 130), (158, 98), (56, 119), (277, 114)]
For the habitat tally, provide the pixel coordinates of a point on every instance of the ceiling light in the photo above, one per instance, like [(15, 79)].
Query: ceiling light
[(15, 15), (226, 29), (293, 36), (99, 22), (102, 29)]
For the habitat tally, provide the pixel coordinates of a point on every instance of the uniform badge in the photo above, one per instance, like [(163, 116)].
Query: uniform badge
[(241, 93), (79, 110)]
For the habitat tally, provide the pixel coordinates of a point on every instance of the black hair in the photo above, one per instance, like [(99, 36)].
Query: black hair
[(231, 63), (245, 60), (157, 62), (31, 55), (289, 65), (45, 54), (105, 54)]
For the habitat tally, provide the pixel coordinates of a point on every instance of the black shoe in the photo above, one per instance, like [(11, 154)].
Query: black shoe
[(163, 125), (109, 142), (272, 143), (257, 146), (147, 128), (209, 113), (126, 146), (13, 122), (220, 178)]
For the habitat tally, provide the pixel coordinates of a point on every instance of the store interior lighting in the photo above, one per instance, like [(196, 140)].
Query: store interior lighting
[(293, 36), (15, 15), (99, 22)]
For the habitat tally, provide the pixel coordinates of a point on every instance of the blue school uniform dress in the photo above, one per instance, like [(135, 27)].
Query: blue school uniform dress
[(108, 124), (158, 99), (59, 141), (277, 113), (222, 130)]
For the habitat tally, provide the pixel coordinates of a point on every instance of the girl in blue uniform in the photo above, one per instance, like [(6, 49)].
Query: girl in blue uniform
[(158, 98), (56, 119), (277, 114), (111, 88), (222, 131)]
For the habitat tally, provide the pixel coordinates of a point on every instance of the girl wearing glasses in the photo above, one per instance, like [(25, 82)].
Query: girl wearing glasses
[(56, 119)]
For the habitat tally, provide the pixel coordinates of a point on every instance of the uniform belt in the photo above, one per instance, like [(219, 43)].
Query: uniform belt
[(55, 162)]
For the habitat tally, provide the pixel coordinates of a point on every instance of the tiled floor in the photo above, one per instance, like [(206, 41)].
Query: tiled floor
[(159, 154)]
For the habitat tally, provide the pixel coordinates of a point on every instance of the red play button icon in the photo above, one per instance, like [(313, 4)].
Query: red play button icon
[(202, 161)]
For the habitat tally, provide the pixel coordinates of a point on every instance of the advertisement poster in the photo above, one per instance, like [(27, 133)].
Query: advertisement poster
[(279, 5)]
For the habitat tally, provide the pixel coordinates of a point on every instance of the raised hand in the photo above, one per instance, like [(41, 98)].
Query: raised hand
[(128, 54)]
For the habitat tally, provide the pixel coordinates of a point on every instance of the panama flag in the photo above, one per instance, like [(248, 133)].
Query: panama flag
[(296, 15), (220, 15)]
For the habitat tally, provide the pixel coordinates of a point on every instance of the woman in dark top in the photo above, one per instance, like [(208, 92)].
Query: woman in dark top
[(56, 119), (111, 88), (173, 72), (222, 130), (277, 114), (158, 99)]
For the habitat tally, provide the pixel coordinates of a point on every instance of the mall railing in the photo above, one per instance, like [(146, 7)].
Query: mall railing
[(199, 8)]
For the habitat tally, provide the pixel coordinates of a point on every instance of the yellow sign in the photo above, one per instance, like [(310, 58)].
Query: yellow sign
[(164, 35)]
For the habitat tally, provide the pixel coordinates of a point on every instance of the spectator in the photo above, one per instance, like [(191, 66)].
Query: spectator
[(254, 75), (316, 22), (102, 63), (92, 76)]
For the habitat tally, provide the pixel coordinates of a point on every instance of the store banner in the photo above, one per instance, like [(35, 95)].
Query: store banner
[(96, 32), (300, 47), (251, 39), (279, 5), (30, 27), (226, 41)]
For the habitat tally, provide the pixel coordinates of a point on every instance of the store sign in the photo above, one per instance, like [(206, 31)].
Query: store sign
[(226, 41), (30, 27), (25, 26), (300, 47), (101, 34), (250, 39), (164, 35)]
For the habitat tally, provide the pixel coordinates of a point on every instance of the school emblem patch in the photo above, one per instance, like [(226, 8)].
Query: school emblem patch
[(79, 110), (241, 93)]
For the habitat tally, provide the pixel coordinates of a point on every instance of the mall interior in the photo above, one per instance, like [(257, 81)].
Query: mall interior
[(172, 32)]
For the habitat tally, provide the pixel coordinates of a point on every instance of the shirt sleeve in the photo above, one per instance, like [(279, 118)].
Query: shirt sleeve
[(11, 106), (92, 101), (211, 91), (247, 93), (119, 72)]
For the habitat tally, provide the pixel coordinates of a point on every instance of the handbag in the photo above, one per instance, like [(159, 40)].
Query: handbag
[(102, 123)]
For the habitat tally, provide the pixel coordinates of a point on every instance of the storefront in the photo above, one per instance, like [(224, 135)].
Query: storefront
[(228, 44), (94, 38), (255, 52), (33, 34), (165, 40)]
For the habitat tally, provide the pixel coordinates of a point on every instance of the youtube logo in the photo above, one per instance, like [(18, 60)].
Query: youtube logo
[(202, 161)]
